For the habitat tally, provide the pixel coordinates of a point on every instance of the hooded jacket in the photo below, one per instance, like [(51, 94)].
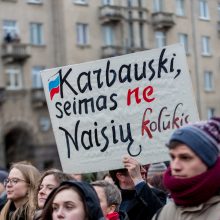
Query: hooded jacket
[(91, 198)]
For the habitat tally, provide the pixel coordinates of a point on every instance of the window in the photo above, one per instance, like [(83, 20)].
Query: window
[(107, 2), (209, 82), (206, 49), (82, 2), (36, 33), (14, 79), (82, 34), (157, 5), (36, 78), (180, 7), (108, 35), (35, 1), (183, 39), (210, 112), (10, 28), (219, 11), (203, 9), (160, 38)]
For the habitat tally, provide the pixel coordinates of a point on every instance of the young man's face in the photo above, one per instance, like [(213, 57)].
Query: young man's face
[(185, 163)]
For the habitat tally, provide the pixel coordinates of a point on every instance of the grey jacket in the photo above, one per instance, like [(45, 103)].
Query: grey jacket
[(210, 210)]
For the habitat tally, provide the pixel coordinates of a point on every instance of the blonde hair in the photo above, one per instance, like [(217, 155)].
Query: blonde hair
[(31, 176)]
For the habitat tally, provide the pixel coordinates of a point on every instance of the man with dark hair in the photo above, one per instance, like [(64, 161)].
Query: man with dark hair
[(138, 199), (193, 178)]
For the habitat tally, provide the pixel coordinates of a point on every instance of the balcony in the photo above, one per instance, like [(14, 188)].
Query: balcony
[(38, 98), (110, 13), (15, 52), (112, 51), (2, 95), (162, 20)]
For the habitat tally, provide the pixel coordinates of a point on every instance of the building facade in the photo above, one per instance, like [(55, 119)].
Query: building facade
[(39, 34)]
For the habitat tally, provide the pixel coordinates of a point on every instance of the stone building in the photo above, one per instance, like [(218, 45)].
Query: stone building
[(39, 34)]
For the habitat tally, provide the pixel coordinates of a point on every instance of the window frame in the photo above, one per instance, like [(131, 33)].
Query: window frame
[(208, 81), (14, 31), (180, 8), (36, 78), (36, 34), (160, 37), (11, 73), (204, 10), (184, 40), (206, 46), (210, 112), (82, 34), (158, 5)]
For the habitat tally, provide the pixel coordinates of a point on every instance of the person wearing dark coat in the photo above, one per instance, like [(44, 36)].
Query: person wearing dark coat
[(72, 200), (139, 200)]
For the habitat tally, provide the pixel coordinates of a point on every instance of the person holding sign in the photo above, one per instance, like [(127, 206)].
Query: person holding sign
[(138, 199), (193, 177)]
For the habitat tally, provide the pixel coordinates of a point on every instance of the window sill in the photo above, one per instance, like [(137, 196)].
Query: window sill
[(81, 3), (206, 55), (209, 90), (83, 46), (204, 19)]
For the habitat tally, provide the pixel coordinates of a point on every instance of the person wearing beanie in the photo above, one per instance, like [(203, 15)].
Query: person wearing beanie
[(72, 200), (156, 168), (193, 178), (155, 177)]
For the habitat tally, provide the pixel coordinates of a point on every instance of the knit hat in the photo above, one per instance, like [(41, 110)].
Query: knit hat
[(156, 168), (3, 175), (203, 138)]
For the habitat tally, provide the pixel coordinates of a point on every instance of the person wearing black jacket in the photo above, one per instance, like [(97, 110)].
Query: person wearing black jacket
[(73, 200), (139, 200)]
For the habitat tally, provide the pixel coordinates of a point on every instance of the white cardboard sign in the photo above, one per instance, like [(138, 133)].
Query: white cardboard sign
[(126, 105)]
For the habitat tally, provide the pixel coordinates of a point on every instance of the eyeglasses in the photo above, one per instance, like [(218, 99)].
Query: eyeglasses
[(13, 181)]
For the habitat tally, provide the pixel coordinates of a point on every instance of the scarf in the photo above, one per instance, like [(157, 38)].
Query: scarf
[(195, 190), (113, 216)]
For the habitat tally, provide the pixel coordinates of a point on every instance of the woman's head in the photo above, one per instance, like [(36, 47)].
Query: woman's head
[(73, 200), (20, 188), (21, 182), (49, 180)]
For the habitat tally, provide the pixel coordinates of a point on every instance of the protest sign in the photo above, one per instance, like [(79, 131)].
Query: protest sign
[(126, 105)]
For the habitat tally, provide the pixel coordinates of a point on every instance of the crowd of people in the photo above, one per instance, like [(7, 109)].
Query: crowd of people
[(187, 188)]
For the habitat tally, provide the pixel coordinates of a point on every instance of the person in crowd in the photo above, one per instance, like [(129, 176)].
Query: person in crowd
[(77, 176), (193, 176), (139, 200), (108, 178), (155, 175), (73, 200), (110, 199), (20, 189), (49, 180), (3, 196)]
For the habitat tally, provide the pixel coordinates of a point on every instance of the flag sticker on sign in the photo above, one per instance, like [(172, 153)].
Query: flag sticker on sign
[(54, 86)]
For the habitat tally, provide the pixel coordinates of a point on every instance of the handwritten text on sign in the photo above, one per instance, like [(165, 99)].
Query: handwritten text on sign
[(130, 104)]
